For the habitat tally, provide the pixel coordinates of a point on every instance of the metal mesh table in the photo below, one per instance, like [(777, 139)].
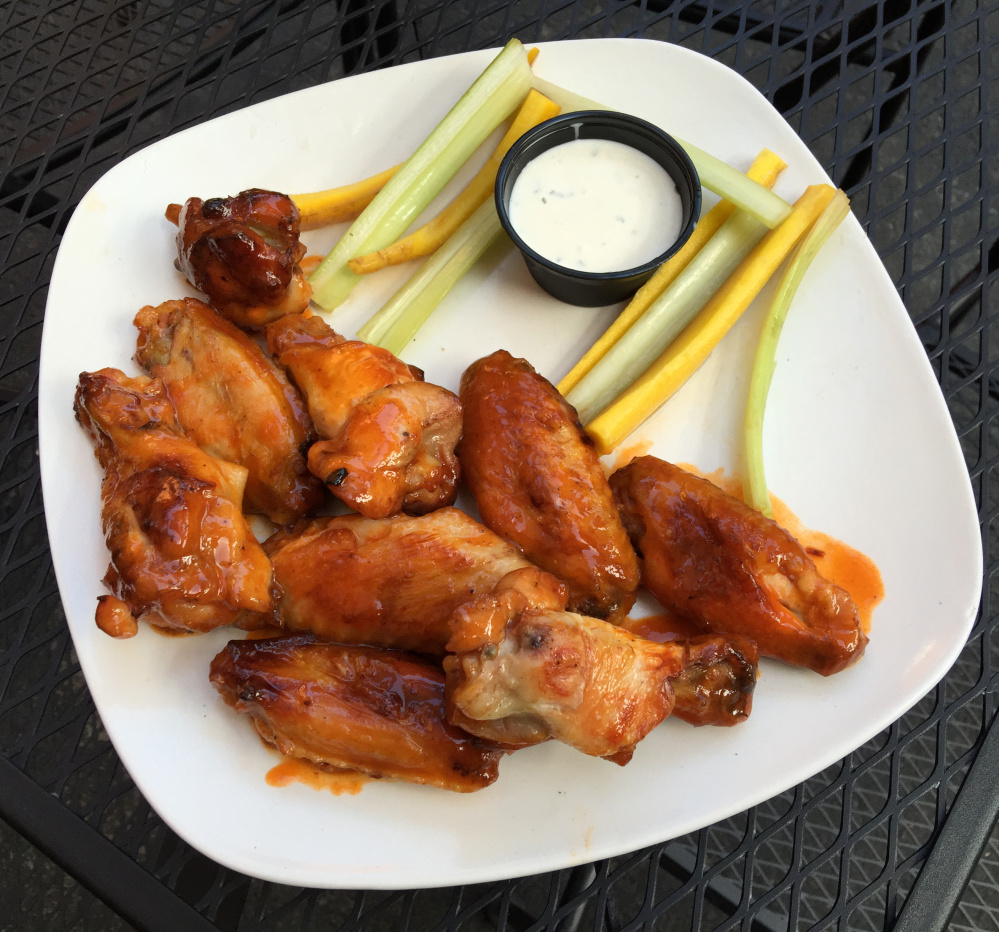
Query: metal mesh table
[(899, 100)]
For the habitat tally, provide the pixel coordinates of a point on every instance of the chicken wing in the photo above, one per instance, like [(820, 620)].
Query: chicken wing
[(538, 482), (243, 253), (182, 555), (353, 708), (519, 673), (232, 401), (392, 582), (388, 437), (708, 557)]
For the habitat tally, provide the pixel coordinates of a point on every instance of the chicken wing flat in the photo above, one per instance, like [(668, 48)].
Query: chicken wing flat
[(243, 253), (234, 402), (538, 482), (519, 673), (182, 555), (352, 708), (708, 557), (392, 582), (388, 437)]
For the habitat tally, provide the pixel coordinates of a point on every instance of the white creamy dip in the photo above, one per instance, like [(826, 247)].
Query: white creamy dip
[(596, 206)]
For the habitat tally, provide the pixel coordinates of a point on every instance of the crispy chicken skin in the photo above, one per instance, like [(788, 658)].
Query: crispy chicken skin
[(538, 482), (182, 555), (234, 402), (354, 708), (388, 437), (708, 557), (243, 253), (392, 582), (520, 672), (715, 686)]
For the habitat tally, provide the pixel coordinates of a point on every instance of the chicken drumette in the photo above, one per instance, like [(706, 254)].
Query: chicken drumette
[(710, 558), (520, 671), (182, 555), (538, 482), (243, 253), (354, 708), (388, 437), (234, 402)]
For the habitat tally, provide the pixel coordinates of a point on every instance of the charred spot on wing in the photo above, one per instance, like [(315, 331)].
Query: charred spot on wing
[(247, 693), (337, 476), (535, 639)]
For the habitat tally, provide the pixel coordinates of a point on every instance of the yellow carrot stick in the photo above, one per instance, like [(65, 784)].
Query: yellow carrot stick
[(764, 170), (682, 358), (535, 109), (337, 205)]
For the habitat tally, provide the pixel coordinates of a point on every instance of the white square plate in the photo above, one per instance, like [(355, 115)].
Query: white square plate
[(858, 440)]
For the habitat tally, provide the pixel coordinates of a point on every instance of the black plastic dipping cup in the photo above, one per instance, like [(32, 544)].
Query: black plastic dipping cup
[(594, 289)]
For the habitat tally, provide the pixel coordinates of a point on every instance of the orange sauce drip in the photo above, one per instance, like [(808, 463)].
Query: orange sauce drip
[(624, 455), (840, 563), (310, 263), (337, 782), (661, 627)]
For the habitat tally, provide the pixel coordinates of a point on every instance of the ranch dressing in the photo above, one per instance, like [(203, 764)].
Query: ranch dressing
[(596, 205)]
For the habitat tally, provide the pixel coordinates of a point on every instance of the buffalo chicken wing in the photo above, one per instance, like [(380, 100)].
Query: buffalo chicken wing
[(387, 437), (538, 482), (233, 401), (243, 253), (520, 672), (712, 559), (182, 555), (353, 708), (393, 582)]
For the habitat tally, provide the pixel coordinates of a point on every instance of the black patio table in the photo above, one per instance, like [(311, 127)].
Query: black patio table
[(899, 100)]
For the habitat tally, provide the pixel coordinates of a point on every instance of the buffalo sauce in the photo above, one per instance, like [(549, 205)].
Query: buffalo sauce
[(338, 782), (662, 627), (838, 562)]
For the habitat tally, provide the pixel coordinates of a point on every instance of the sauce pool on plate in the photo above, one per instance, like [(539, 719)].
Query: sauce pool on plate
[(596, 205)]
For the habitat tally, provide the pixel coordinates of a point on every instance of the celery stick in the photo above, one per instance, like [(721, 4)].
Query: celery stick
[(725, 181), (732, 185), (660, 325), (496, 93), (755, 483), (408, 309)]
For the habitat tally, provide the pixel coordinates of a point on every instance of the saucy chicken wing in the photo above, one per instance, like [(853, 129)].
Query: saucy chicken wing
[(352, 708), (538, 482), (234, 402), (710, 558), (182, 555), (519, 673), (243, 253), (388, 437), (393, 582)]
